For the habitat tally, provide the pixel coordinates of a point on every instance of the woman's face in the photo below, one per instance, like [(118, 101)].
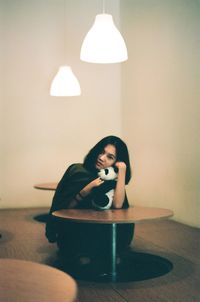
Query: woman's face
[(106, 158)]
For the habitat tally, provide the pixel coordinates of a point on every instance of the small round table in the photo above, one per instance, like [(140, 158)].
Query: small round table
[(48, 186), (114, 217), (22, 281)]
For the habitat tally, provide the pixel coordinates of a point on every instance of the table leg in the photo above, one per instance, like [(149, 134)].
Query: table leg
[(134, 266), (113, 255)]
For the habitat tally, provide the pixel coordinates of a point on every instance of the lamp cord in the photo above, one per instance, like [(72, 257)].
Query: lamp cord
[(103, 6), (65, 29)]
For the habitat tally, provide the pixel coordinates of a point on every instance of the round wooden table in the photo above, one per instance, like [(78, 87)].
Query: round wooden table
[(114, 217), (25, 281), (48, 186)]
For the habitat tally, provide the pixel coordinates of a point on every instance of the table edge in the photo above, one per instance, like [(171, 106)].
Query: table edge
[(120, 221)]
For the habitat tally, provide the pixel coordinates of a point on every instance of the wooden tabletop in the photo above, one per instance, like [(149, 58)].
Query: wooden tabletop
[(131, 215), (46, 186), (25, 281)]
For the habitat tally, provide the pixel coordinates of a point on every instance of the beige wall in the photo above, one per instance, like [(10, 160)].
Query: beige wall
[(42, 135), (161, 104), (1, 110), (152, 100)]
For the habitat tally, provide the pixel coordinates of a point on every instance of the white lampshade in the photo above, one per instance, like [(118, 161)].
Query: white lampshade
[(103, 43), (65, 83)]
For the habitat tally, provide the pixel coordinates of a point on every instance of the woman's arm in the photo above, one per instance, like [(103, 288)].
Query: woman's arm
[(119, 194), (85, 192)]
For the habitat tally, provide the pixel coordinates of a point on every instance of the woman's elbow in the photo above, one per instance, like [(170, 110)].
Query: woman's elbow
[(117, 205)]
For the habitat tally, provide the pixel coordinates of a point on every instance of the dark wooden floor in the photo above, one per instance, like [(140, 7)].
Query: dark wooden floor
[(23, 238)]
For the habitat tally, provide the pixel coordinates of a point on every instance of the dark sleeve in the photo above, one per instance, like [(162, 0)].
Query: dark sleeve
[(104, 188), (107, 186), (75, 178)]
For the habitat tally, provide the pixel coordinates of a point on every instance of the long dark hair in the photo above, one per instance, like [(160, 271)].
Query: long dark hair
[(121, 152)]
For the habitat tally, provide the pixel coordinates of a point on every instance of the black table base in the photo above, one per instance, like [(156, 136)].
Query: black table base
[(41, 217), (126, 267), (131, 267)]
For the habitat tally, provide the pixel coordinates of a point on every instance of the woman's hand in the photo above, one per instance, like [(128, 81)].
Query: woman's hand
[(96, 182), (121, 165), (85, 191)]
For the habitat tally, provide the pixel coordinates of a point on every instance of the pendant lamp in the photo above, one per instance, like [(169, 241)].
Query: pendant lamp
[(65, 83), (103, 43)]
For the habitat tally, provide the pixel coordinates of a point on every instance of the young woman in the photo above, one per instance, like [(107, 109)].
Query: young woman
[(75, 190)]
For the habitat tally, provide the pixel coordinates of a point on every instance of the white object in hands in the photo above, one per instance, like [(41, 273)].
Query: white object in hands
[(107, 174), (106, 200)]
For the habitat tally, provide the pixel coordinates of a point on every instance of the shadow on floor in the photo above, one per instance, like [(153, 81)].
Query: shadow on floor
[(6, 236), (131, 267)]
